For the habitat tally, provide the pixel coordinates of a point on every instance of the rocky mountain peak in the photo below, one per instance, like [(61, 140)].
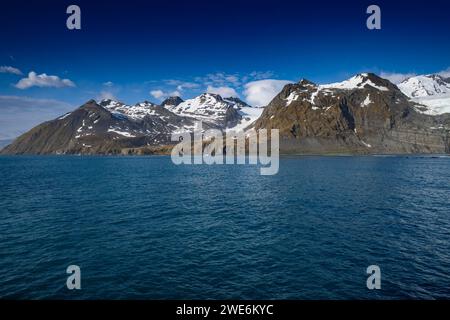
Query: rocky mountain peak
[(362, 81), (89, 104), (210, 108), (109, 103), (209, 98), (237, 102), (146, 104), (92, 101), (172, 101), (306, 83)]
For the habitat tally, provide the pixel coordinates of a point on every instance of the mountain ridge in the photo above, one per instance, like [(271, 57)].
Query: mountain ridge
[(364, 114), (112, 127)]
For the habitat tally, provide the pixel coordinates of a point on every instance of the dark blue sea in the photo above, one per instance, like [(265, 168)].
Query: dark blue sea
[(144, 228)]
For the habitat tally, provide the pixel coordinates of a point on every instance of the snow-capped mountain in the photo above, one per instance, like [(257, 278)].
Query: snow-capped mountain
[(111, 126), (226, 113), (425, 86), (360, 81), (209, 108), (136, 112), (432, 91), (313, 94), (363, 114), (212, 109), (107, 127)]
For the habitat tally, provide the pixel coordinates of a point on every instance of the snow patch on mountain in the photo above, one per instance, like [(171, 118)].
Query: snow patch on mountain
[(357, 82), (207, 107), (249, 116), (293, 96), (366, 102), (122, 133), (309, 91), (435, 105), (136, 112)]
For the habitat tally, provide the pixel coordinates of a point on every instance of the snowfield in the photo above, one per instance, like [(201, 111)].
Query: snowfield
[(432, 91), (356, 82), (436, 104), (249, 116)]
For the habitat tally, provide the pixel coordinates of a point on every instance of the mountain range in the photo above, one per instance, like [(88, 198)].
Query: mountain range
[(365, 114)]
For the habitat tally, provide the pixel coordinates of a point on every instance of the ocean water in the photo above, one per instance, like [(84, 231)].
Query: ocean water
[(143, 228)]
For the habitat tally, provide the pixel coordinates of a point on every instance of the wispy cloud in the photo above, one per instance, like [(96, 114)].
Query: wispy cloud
[(445, 73), (175, 93), (43, 80), (260, 75), (9, 69), (160, 94), (106, 95), (222, 79), (157, 94), (108, 84), (225, 84), (396, 78), (219, 79), (182, 85)]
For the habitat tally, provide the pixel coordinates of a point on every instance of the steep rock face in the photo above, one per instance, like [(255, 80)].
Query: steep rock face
[(238, 103), (364, 114), (172, 101)]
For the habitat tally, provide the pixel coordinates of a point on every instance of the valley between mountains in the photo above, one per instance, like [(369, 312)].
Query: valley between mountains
[(365, 114)]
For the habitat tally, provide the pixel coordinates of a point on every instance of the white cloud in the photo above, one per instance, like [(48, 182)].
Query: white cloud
[(160, 94), (182, 85), (225, 92), (175, 93), (445, 73), (396, 77), (108, 84), (157, 94), (20, 114), (225, 84), (9, 69), (187, 85), (106, 95), (43, 80), (260, 93)]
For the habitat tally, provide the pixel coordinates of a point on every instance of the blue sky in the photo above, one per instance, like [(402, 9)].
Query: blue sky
[(145, 50)]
